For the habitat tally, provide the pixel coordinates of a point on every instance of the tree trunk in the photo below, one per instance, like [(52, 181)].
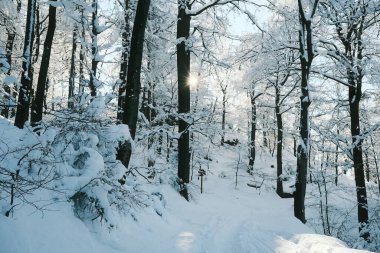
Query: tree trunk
[(223, 116), (336, 157), (37, 107), (183, 68), (306, 58), (367, 172), (124, 62), (133, 87), (81, 57), (279, 190), (357, 152), (94, 49), (252, 144), (265, 138), (37, 35), (70, 103), (22, 113)]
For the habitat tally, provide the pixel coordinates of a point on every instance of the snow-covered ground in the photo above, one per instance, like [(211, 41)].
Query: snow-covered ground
[(224, 218)]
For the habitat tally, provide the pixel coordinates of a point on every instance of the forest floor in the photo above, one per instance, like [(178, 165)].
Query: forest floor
[(226, 218)]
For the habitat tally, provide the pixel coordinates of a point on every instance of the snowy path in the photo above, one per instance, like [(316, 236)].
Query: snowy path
[(222, 220), (229, 220)]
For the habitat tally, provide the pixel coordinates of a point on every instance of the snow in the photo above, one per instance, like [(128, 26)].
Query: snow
[(8, 80), (55, 231), (4, 65), (212, 223), (224, 218)]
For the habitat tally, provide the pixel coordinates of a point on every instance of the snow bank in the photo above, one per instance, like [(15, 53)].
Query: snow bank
[(225, 218)]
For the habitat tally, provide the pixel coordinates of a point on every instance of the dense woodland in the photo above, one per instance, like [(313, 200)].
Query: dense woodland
[(115, 94)]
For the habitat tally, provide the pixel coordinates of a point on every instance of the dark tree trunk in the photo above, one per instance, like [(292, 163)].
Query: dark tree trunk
[(22, 113), (37, 35), (81, 57), (279, 190), (124, 62), (224, 115), (94, 49), (354, 96), (183, 68), (252, 144), (351, 38), (274, 142), (367, 172), (337, 157), (265, 139), (306, 58), (133, 87), (72, 69), (280, 135), (37, 107)]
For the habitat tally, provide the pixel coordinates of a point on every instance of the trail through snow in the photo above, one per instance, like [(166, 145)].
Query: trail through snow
[(223, 219)]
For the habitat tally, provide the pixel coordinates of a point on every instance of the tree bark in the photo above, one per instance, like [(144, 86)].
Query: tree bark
[(133, 87), (306, 57), (82, 57), (265, 128), (355, 94), (183, 68), (279, 190), (252, 144), (94, 49), (224, 114), (351, 39), (124, 62), (70, 103), (37, 107), (37, 35), (337, 156), (22, 113)]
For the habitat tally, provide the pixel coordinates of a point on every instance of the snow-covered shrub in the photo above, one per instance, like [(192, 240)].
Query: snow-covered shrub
[(27, 164), (86, 143), (73, 156)]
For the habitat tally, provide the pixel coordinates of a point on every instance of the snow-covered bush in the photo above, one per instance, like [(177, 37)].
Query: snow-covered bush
[(72, 156), (87, 143)]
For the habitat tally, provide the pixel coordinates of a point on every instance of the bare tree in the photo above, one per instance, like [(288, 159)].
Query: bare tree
[(22, 113), (306, 52), (125, 43), (185, 13), (133, 87), (37, 106)]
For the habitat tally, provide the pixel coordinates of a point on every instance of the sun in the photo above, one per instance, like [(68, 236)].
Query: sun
[(193, 80)]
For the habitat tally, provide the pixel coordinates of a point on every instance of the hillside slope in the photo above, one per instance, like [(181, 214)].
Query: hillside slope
[(224, 218)]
